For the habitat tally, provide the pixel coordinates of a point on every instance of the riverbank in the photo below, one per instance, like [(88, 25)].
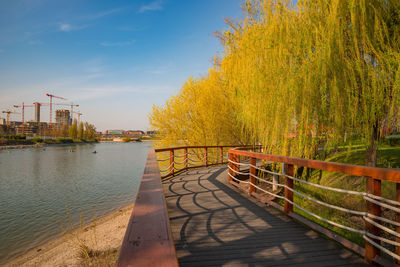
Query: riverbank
[(20, 146), (95, 244), (5, 147)]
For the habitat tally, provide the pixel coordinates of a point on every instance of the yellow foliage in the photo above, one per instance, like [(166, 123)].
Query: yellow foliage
[(294, 77), (203, 113)]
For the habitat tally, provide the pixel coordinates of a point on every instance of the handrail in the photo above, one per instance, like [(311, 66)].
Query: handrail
[(374, 201), (377, 173), (183, 147), (148, 239), (168, 164)]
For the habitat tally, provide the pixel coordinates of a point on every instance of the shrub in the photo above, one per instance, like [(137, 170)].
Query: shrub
[(393, 140)]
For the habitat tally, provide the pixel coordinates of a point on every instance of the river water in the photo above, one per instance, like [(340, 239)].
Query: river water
[(43, 190)]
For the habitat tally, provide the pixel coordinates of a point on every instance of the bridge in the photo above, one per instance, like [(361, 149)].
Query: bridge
[(197, 207)]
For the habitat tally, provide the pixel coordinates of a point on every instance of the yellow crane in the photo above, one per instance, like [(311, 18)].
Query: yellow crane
[(8, 112)]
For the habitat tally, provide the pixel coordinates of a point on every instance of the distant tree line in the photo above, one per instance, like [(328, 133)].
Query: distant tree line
[(75, 130)]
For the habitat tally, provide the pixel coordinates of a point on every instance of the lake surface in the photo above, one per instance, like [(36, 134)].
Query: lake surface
[(42, 190)]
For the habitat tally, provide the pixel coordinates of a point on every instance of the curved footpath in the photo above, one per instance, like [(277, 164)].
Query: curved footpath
[(215, 224), (103, 238)]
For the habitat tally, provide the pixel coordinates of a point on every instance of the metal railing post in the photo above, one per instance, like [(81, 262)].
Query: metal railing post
[(171, 162), (253, 162), (185, 158), (373, 187), (288, 170), (221, 155)]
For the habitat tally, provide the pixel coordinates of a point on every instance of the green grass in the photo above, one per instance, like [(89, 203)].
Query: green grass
[(388, 157)]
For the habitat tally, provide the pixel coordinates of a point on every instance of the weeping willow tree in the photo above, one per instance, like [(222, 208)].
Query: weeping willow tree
[(296, 78), (202, 113), (318, 70)]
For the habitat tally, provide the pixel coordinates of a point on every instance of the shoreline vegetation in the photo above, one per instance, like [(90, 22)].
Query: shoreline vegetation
[(38, 142), (95, 244)]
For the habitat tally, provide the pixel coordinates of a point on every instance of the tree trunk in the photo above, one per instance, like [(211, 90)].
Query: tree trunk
[(372, 150)]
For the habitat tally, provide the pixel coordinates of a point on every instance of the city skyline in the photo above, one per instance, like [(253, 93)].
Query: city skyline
[(113, 59)]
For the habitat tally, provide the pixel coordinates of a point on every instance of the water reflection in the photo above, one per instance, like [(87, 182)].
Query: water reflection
[(36, 185)]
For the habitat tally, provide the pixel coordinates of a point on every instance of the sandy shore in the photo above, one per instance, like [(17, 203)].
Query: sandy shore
[(96, 244)]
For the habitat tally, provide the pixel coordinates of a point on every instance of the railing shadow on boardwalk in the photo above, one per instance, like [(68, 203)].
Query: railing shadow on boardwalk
[(251, 235)]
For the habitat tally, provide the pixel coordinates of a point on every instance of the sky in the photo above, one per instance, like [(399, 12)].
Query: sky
[(113, 58)]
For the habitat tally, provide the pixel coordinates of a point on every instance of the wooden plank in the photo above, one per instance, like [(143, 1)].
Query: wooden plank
[(288, 169), (148, 238), (253, 162), (398, 220), (225, 228), (377, 173), (171, 162)]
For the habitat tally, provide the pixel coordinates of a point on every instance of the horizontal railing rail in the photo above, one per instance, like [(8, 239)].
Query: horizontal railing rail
[(175, 160), (148, 239), (381, 234)]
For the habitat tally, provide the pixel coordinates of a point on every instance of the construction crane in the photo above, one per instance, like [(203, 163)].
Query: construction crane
[(23, 106), (51, 105), (79, 116), (8, 112), (72, 105)]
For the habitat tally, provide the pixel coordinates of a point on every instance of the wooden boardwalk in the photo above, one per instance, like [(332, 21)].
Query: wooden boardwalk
[(214, 224)]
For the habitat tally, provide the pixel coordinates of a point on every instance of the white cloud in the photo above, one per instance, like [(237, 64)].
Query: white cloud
[(156, 5), (117, 43), (65, 27)]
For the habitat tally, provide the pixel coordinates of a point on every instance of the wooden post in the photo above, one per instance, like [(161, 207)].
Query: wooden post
[(171, 162), (231, 166), (185, 158), (253, 162), (398, 219), (205, 157), (373, 187), (234, 165), (288, 170), (221, 154)]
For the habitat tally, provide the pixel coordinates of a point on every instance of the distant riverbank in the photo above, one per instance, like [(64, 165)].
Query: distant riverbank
[(97, 243), (29, 143)]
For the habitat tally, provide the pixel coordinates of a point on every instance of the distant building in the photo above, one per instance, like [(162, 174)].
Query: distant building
[(32, 128), (63, 117), (37, 111), (114, 132), (15, 123), (134, 133), (2, 121)]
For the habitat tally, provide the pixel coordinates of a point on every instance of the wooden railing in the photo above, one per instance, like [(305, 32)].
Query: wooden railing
[(175, 160), (381, 234), (148, 240)]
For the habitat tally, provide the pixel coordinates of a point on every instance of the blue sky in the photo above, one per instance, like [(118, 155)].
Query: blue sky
[(113, 58)]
